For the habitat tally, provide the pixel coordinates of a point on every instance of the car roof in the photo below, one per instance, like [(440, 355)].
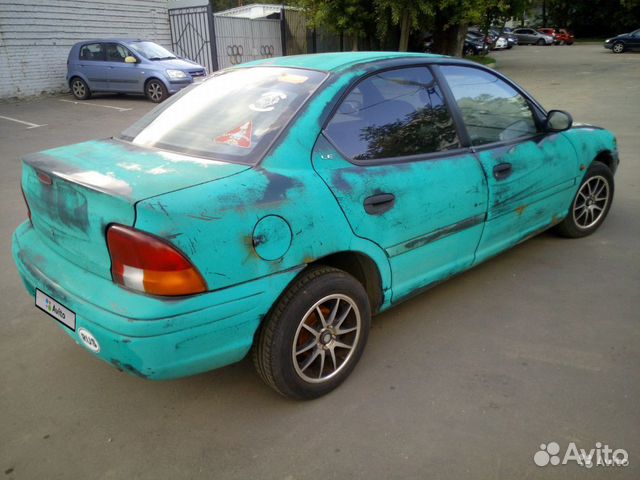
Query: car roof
[(103, 40), (337, 60)]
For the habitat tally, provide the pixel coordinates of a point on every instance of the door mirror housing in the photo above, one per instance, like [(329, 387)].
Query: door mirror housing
[(130, 59), (558, 121)]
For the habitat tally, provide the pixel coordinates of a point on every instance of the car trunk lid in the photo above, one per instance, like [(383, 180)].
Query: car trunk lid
[(75, 192)]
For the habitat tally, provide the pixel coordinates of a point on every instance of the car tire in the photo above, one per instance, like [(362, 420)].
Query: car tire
[(303, 349), (155, 90), (591, 203), (79, 88), (617, 47), (540, 42), (469, 51)]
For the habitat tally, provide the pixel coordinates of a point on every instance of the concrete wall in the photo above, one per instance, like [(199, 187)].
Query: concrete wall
[(36, 35)]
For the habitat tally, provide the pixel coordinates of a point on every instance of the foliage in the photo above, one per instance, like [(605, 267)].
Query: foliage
[(593, 18)]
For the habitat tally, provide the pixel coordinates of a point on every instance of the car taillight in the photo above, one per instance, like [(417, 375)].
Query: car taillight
[(143, 262), (24, 197)]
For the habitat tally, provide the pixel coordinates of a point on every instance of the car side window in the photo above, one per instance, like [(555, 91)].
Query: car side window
[(92, 51), (116, 52), (392, 114), (492, 110)]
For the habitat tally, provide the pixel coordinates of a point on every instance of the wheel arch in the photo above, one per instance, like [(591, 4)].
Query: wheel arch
[(363, 268), (154, 77), (80, 76), (607, 157)]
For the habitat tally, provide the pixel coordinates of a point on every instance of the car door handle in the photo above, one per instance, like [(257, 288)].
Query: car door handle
[(502, 171), (379, 203)]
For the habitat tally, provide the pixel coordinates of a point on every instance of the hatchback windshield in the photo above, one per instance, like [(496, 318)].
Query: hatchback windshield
[(152, 51), (231, 116)]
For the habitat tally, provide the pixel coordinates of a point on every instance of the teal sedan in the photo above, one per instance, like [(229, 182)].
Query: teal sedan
[(278, 205)]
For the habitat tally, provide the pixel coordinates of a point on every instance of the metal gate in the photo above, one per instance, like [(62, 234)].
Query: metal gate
[(192, 35)]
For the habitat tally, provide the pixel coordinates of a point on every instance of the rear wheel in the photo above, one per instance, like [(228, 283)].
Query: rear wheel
[(156, 91), (314, 336), (618, 47), (469, 51), (80, 89), (591, 204)]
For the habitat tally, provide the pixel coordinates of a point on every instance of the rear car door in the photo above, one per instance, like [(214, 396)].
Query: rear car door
[(93, 66), (122, 76), (391, 155), (530, 173)]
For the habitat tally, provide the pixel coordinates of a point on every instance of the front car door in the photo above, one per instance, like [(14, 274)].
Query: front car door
[(392, 157), (530, 174), (123, 77)]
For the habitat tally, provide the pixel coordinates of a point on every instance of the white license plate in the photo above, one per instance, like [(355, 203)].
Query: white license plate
[(55, 309)]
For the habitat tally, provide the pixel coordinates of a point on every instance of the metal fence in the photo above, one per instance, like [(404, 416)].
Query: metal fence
[(240, 40), (220, 41), (192, 35)]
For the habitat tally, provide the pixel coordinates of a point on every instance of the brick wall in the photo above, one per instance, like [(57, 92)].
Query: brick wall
[(35, 36)]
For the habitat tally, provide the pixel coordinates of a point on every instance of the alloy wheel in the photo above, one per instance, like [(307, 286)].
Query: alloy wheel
[(78, 88), (326, 338), (154, 90), (591, 202)]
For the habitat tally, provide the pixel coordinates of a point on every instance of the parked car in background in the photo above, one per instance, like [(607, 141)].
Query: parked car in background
[(551, 32), (128, 66), (500, 43), (565, 37), (474, 45), (624, 42), (512, 40), (529, 36), (488, 38), (278, 205)]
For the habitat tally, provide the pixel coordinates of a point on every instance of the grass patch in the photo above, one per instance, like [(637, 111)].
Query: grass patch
[(482, 59)]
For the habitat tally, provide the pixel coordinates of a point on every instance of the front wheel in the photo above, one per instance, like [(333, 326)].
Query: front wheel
[(469, 51), (591, 204), (315, 334), (617, 48), (156, 91), (540, 42)]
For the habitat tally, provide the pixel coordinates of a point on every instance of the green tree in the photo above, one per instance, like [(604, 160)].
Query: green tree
[(355, 18), (407, 14)]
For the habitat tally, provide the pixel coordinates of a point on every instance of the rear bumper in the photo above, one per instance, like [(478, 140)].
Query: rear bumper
[(156, 338)]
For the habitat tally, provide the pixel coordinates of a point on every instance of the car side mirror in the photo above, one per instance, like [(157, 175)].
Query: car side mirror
[(130, 59), (558, 121)]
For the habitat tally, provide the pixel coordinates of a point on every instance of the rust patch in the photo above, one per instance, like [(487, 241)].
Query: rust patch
[(583, 168), (125, 367), (520, 210), (444, 232), (203, 217)]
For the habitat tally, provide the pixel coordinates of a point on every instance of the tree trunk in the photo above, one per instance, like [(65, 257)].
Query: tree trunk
[(448, 41), (405, 27)]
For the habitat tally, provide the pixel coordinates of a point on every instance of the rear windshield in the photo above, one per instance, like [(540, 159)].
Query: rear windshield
[(233, 116)]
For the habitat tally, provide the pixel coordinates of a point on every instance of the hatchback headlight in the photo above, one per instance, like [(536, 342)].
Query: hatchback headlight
[(176, 74)]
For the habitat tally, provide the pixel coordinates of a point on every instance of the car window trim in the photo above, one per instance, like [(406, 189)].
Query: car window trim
[(537, 111), (403, 158)]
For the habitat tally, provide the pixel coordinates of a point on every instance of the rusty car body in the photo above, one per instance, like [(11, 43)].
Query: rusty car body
[(174, 257)]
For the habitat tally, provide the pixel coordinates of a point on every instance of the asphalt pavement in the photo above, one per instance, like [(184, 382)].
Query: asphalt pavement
[(468, 380)]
